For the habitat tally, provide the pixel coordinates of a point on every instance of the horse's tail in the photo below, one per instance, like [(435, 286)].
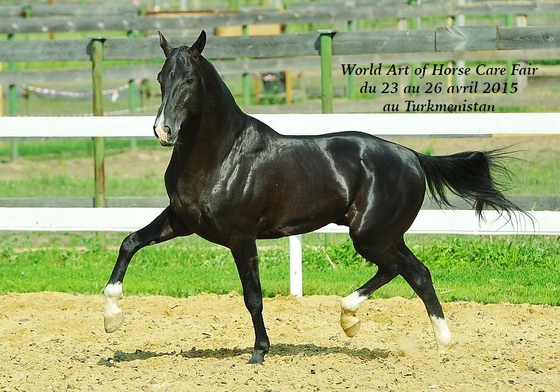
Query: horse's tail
[(469, 175)]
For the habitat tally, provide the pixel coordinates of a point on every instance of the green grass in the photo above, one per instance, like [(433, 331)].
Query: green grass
[(523, 269)]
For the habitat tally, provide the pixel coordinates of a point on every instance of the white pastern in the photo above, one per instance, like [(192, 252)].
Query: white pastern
[(113, 315), (113, 292), (444, 340), (352, 302), (348, 320)]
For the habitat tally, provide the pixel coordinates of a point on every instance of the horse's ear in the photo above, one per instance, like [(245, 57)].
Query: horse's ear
[(167, 48), (200, 42)]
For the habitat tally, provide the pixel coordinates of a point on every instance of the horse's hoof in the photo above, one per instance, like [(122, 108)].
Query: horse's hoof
[(255, 361), (114, 322), (350, 324), (443, 349), (257, 358)]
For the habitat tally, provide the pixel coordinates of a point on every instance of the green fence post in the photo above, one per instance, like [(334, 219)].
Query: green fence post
[(98, 142), (246, 80), (415, 22), (131, 84), (509, 63), (12, 103), (351, 78), (132, 91), (459, 20), (145, 89), (325, 50)]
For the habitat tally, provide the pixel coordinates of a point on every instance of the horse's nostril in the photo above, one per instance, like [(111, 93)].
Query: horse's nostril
[(162, 132)]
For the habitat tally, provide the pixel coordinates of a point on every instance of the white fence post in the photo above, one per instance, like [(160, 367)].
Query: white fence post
[(296, 273)]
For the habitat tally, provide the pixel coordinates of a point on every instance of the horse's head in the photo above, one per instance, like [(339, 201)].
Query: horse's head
[(182, 89)]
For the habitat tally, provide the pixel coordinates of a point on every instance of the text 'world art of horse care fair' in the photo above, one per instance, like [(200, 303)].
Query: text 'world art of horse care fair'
[(438, 87)]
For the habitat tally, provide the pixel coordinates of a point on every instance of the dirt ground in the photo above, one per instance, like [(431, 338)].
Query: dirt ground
[(56, 342)]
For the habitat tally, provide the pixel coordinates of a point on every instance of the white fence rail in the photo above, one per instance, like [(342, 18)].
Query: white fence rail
[(433, 124), (428, 221)]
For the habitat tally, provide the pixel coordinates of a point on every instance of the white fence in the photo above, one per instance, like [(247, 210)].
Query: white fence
[(428, 221)]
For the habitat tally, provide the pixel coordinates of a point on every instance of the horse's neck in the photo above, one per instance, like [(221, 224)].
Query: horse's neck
[(219, 98), (221, 114), (212, 134)]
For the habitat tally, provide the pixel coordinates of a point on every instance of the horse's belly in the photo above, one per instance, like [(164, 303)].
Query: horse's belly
[(292, 228), (301, 217)]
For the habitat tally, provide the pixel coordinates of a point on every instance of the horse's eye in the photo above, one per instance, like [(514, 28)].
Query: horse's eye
[(190, 81)]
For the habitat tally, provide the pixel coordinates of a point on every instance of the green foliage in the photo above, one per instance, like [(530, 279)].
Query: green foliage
[(490, 252), (333, 256)]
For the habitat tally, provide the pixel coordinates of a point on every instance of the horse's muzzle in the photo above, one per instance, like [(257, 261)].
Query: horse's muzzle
[(163, 134)]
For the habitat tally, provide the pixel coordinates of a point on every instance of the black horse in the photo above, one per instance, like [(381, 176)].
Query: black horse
[(232, 180)]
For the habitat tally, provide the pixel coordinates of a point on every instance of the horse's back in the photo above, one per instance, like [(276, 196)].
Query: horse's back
[(353, 153)]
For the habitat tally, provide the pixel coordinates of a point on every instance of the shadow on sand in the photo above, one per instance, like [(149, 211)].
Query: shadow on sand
[(282, 350)]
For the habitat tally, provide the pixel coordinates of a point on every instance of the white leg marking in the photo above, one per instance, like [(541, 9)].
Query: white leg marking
[(353, 301), (112, 315), (348, 320), (444, 340)]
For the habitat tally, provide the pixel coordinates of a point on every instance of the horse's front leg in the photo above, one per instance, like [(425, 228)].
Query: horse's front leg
[(246, 260), (165, 227)]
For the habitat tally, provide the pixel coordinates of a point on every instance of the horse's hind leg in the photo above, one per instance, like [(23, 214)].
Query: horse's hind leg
[(163, 228), (349, 305), (392, 261), (419, 278)]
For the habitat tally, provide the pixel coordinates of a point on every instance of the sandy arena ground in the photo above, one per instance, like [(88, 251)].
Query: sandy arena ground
[(56, 342)]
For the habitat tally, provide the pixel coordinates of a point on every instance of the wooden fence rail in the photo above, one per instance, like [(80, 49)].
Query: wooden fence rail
[(126, 18), (537, 42), (18, 12), (428, 221)]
